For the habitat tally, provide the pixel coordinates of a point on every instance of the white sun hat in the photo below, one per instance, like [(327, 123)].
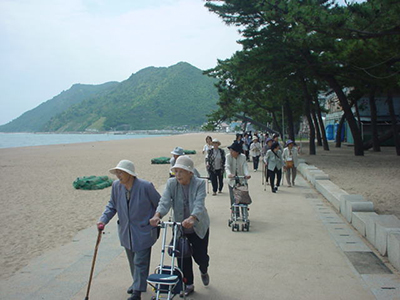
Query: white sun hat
[(126, 166), (184, 162)]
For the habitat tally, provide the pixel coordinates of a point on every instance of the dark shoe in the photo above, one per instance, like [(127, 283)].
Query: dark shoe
[(273, 191), (189, 290), (130, 290), (205, 278), (214, 194), (136, 295), (220, 192), (276, 188)]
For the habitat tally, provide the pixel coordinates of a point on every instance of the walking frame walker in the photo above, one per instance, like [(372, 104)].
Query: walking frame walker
[(168, 280), (235, 220)]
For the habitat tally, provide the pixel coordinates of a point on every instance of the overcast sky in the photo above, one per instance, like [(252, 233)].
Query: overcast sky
[(48, 45)]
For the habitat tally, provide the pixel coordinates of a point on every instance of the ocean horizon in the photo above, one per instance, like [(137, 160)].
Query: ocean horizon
[(13, 140)]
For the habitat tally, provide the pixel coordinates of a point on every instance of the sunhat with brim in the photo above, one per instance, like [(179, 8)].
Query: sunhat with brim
[(178, 151), (184, 162), (255, 138), (288, 142), (235, 147), (126, 166), (216, 141)]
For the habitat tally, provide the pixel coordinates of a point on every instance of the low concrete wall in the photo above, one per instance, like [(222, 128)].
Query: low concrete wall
[(359, 221), (354, 203), (382, 231), (330, 191)]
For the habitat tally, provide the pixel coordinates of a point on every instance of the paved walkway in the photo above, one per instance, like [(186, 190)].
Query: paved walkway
[(298, 247)]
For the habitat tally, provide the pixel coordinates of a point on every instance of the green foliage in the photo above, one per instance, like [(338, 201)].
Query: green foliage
[(291, 46)]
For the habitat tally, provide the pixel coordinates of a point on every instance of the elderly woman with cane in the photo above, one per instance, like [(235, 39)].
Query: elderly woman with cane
[(135, 201), (186, 194)]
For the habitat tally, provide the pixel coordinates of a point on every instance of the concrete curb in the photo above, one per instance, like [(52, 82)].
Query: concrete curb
[(382, 231)]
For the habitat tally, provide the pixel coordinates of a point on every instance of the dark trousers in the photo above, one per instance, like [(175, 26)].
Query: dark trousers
[(200, 256), (271, 175), (256, 160), (217, 180)]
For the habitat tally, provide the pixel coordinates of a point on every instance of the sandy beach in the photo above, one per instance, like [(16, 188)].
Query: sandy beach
[(376, 175), (42, 210)]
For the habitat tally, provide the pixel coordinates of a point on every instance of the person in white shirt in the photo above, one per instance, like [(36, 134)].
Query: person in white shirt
[(291, 161), (235, 165), (208, 146), (255, 152)]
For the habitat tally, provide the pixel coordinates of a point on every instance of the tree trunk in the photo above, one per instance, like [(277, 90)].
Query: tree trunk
[(394, 122), (316, 125), (289, 115), (307, 111), (322, 127), (357, 114), (358, 142), (339, 133), (276, 123), (374, 121)]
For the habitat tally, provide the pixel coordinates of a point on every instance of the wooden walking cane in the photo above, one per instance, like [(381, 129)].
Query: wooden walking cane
[(100, 228)]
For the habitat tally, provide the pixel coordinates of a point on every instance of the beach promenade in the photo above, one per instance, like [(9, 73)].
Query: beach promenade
[(298, 247)]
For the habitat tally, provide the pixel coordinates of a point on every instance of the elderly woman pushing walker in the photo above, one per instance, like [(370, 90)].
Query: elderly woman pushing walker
[(186, 194)]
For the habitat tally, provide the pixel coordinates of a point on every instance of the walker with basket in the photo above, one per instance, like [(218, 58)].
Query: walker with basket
[(168, 280), (242, 202)]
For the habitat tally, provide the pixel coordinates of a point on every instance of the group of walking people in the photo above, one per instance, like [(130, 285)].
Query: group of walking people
[(140, 207), (277, 159)]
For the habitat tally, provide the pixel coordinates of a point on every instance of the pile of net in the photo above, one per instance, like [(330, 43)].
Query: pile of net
[(189, 151), (160, 160), (92, 182)]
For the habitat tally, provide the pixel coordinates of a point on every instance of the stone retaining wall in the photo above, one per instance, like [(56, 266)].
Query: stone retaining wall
[(382, 231)]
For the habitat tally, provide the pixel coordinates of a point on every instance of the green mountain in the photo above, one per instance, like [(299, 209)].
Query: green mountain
[(36, 119), (153, 98)]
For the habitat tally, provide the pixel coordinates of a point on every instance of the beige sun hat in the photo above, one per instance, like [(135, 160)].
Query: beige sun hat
[(216, 141), (126, 166), (184, 162)]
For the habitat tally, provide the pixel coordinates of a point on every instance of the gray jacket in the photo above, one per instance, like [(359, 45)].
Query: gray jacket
[(291, 154), (173, 197), (274, 161), (135, 232)]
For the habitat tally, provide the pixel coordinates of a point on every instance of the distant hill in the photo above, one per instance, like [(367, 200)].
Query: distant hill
[(35, 120), (152, 98)]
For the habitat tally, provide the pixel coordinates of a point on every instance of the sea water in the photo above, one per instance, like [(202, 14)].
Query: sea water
[(11, 140)]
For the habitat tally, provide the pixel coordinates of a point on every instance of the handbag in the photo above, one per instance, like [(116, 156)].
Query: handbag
[(241, 194), (183, 248), (289, 164)]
